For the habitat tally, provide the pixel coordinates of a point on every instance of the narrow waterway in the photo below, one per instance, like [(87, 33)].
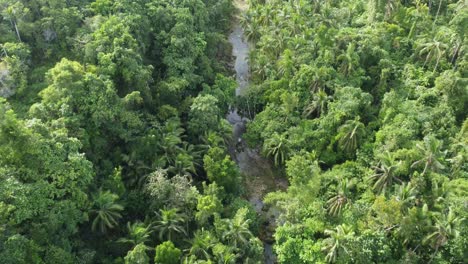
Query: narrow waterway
[(260, 178)]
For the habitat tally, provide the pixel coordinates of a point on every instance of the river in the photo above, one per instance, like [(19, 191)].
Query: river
[(259, 173)]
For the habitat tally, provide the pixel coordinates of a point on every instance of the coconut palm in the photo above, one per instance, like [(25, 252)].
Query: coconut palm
[(183, 164), (318, 104), (459, 150), (336, 243), (289, 104), (170, 222), (262, 66), (225, 254), (236, 230), (443, 229), (390, 7), (201, 244), (348, 60), (107, 211), (138, 233), (340, 199), (437, 14), (276, 147), (432, 156), (265, 17), (325, 16), (15, 12), (170, 140), (385, 173), (406, 193), (349, 134), (286, 64), (251, 27), (433, 49)]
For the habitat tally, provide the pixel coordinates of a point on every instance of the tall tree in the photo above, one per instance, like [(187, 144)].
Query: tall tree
[(341, 198), (444, 228), (236, 231), (170, 223), (335, 244), (276, 147), (385, 173), (106, 210), (138, 234), (431, 153), (349, 134)]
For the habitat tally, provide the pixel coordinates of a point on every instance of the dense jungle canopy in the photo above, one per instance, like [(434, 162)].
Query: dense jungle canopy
[(115, 147)]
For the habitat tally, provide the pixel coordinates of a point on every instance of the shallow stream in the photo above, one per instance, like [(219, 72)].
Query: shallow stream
[(259, 173)]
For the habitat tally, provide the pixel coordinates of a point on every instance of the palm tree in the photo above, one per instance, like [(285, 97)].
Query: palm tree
[(15, 13), (340, 199), (251, 28), (349, 134), (325, 16), (407, 194), (335, 244), (265, 17), (431, 153), (437, 14), (390, 7), (262, 66), (286, 64), (433, 49), (289, 104), (170, 222), (318, 104), (443, 230), (139, 233), (276, 147), (225, 254), (201, 243), (459, 149), (170, 140), (349, 60), (107, 211), (184, 164), (385, 173), (236, 230)]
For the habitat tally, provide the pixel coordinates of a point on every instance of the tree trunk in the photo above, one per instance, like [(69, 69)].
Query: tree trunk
[(4, 51), (455, 55), (17, 31), (437, 14)]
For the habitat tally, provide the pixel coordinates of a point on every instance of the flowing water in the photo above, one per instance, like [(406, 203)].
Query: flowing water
[(260, 178)]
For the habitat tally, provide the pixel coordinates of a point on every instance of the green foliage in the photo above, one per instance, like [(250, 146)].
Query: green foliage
[(170, 223), (221, 169), (44, 178), (138, 234), (209, 205), (342, 197), (276, 147), (204, 114), (137, 255), (167, 253), (114, 101), (385, 173), (336, 243), (13, 68), (378, 85), (302, 168), (252, 215), (106, 211), (112, 112), (175, 192)]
